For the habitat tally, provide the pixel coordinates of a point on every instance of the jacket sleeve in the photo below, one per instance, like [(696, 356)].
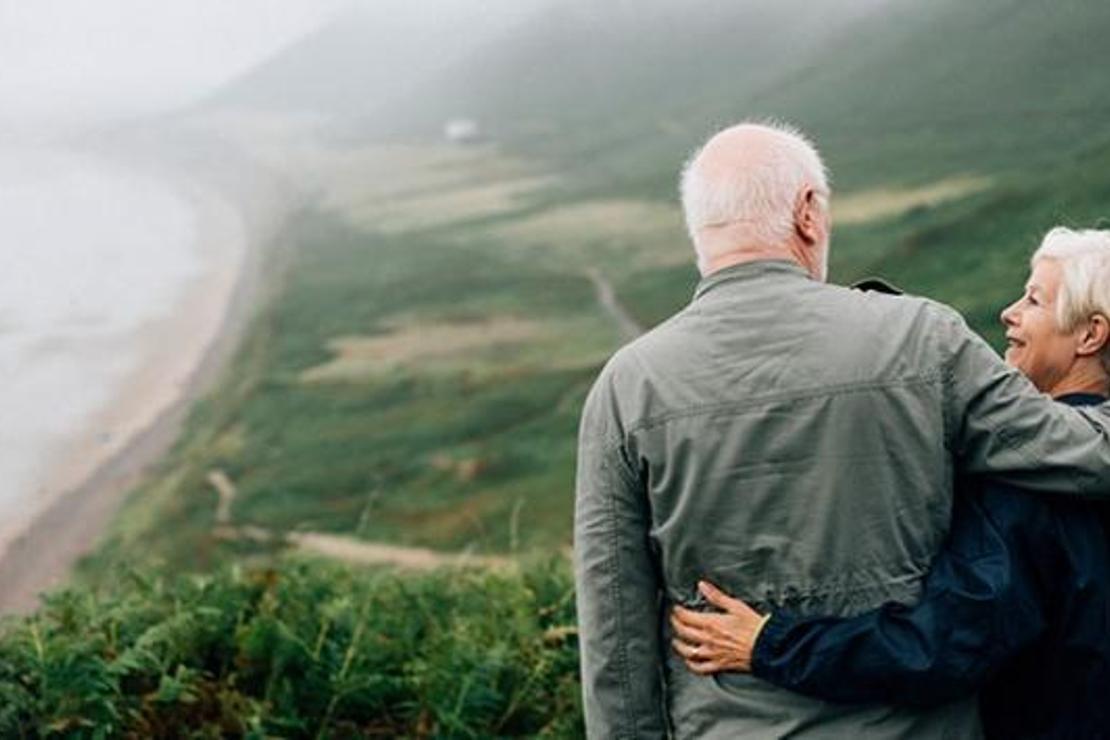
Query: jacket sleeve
[(998, 424), (616, 583), (982, 602)]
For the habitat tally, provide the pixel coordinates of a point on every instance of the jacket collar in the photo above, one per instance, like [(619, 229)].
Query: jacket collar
[(1082, 399), (749, 271)]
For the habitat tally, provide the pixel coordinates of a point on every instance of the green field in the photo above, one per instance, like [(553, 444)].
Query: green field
[(421, 386)]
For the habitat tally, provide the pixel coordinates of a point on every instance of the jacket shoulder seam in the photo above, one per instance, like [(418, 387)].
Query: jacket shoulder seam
[(842, 389)]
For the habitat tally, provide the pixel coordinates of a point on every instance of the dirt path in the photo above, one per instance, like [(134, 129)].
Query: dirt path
[(225, 489), (338, 547), (371, 553), (360, 552), (607, 297)]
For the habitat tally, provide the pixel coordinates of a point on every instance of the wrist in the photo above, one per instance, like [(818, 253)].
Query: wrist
[(759, 629)]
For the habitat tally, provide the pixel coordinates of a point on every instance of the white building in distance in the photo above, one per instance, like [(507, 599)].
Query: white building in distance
[(462, 131)]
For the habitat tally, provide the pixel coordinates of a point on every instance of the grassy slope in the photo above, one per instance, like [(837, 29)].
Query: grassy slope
[(349, 456)]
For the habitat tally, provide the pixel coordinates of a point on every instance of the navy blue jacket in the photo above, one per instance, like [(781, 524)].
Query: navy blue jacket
[(1016, 604)]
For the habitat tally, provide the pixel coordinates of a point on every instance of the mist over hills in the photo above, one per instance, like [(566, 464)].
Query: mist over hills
[(567, 62), (613, 86), (366, 59)]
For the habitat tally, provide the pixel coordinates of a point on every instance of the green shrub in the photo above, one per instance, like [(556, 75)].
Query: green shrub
[(305, 650)]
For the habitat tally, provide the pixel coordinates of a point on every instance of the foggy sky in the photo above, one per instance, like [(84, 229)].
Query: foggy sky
[(75, 58), (77, 61)]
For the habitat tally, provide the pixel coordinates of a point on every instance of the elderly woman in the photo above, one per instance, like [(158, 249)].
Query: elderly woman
[(1017, 603)]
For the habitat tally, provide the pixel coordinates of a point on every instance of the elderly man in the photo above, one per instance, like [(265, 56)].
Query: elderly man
[(792, 442)]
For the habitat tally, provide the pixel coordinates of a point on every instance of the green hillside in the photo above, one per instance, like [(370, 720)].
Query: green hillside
[(897, 90), (416, 379)]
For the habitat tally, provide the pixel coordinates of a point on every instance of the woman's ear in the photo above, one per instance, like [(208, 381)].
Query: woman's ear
[(1094, 336)]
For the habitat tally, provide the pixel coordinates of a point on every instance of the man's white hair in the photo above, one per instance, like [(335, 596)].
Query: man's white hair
[(762, 197), (1084, 257)]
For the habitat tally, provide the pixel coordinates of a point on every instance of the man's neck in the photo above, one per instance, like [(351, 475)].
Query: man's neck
[(732, 259)]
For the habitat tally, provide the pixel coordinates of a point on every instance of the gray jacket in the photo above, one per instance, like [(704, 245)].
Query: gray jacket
[(795, 443)]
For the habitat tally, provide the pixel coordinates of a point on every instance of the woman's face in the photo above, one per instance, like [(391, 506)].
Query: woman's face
[(1035, 344)]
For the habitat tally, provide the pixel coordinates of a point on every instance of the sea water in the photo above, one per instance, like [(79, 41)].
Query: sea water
[(90, 254)]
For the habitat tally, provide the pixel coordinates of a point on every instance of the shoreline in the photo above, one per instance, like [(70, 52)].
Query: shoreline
[(153, 407)]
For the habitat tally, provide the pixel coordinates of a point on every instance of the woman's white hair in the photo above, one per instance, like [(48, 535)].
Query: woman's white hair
[(1084, 258), (762, 196)]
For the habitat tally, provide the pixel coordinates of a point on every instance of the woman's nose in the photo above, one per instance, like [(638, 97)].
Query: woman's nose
[(1009, 315)]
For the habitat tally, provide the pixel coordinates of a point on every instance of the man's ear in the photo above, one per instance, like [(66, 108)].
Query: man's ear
[(807, 216), (1094, 336)]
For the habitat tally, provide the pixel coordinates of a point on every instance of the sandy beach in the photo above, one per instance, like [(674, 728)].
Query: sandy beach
[(182, 354)]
